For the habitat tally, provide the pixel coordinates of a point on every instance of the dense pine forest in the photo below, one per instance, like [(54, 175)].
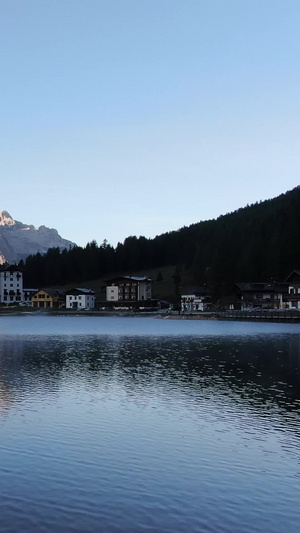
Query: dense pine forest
[(256, 243)]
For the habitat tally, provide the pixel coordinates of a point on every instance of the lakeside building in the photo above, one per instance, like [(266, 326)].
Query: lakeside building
[(11, 285), (80, 298), (262, 295), (195, 300), (128, 289), (291, 300), (50, 298)]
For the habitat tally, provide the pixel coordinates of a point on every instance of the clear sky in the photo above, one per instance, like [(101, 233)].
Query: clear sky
[(137, 117)]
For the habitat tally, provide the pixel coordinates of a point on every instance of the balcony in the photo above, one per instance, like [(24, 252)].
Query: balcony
[(292, 298)]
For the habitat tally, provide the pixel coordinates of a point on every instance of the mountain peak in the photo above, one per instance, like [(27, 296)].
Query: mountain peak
[(18, 240), (6, 219)]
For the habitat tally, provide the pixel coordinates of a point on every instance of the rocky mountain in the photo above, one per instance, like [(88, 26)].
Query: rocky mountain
[(18, 240)]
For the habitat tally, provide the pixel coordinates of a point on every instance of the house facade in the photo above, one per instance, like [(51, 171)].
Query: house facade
[(48, 298), (262, 295), (11, 285), (291, 300), (80, 298), (196, 300), (128, 289)]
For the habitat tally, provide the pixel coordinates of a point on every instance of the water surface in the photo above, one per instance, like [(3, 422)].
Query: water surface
[(144, 424)]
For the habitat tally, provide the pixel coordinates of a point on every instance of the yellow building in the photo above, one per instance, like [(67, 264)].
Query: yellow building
[(49, 298)]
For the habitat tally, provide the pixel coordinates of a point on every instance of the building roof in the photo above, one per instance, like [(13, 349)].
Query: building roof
[(79, 290), (294, 273), (128, 278), (196, 291), (272, 286), (53, 292), (11, 268)]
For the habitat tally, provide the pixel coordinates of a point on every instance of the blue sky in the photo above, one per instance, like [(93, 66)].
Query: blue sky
[(137, 117)]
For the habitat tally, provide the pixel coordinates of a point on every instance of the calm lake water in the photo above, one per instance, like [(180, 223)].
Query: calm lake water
[(142, 424)]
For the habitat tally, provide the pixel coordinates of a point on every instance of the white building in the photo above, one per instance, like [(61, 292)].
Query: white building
[(128, 288), (192, 302), (11, 285), (196, 300), (80, 298)]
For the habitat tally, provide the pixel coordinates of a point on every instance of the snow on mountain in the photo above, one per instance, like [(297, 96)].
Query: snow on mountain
[(18, 240)]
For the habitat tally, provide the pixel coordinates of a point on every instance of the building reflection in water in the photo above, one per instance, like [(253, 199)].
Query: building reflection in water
[(259, 369)]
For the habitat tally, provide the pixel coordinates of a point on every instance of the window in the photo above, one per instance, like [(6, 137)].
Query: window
[(11, 285), (70, 297)]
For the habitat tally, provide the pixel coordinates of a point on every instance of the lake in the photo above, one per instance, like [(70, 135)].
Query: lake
[(140, 424)]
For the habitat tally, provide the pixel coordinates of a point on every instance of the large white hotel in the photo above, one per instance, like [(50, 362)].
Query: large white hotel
[(11, 285)]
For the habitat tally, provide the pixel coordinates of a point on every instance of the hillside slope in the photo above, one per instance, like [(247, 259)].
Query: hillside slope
[(256, 243)]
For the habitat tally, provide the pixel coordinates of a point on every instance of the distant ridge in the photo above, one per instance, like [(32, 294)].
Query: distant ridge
[(18, 240)]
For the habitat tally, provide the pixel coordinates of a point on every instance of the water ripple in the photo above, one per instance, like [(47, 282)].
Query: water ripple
[(149, 432)]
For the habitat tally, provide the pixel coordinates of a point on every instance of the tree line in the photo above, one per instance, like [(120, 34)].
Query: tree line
[(257, 243)]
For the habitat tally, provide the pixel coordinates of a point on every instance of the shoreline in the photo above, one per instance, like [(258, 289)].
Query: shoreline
[(287, 316)]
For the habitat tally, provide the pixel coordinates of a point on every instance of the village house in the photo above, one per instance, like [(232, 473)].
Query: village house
[(291, 300), (50, 298), (128, 289), (262, 295), (196, 300), (80, 298), (11, 285)]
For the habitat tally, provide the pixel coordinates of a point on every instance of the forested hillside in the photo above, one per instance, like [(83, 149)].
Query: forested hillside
[(257, 243)]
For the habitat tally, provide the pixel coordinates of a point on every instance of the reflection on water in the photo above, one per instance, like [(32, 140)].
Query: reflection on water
[(182, 432)]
